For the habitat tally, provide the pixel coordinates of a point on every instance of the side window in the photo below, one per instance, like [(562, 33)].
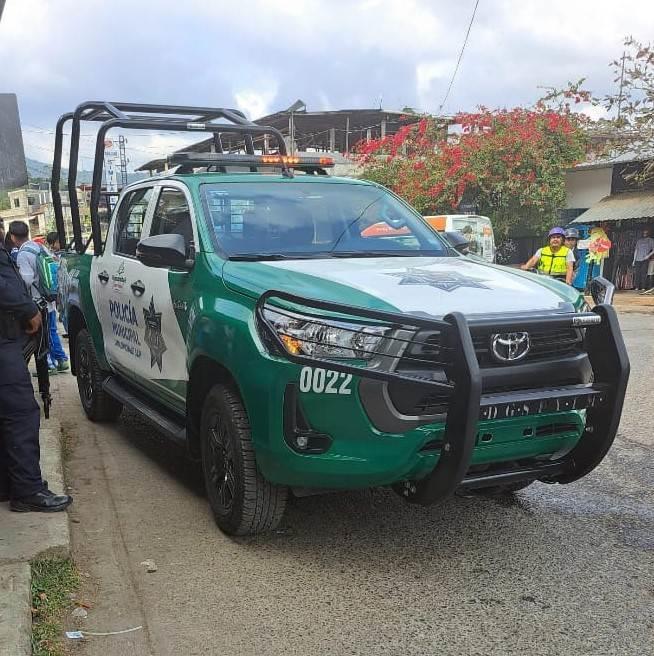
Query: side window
[(172, 215), (130, 219)]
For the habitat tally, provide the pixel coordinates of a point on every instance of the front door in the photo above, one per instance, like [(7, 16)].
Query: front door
[(168, 297)]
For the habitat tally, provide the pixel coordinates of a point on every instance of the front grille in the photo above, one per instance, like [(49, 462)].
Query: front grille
[(544, 345), (427, 348), (427, 353)]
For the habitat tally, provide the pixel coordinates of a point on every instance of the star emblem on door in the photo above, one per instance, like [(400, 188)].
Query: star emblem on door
[(448, 281), (153, 337)]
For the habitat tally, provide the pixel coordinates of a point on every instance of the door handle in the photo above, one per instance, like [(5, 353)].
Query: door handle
[(138, 288), (103, 277)]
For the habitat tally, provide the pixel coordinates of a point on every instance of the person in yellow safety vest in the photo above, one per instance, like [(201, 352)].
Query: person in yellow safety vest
[(555, 259)]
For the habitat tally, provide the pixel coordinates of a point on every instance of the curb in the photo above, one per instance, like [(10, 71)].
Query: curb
[(26, 536), (15, 610)]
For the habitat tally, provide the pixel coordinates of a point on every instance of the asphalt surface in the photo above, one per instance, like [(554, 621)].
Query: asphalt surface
[(556, 570)]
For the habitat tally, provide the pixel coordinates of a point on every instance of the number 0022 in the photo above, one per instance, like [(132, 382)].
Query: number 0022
[(324, 381)]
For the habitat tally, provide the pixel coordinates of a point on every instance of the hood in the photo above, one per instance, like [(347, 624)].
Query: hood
[(430, 286)]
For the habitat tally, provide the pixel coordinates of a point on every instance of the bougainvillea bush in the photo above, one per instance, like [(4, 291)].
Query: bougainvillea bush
[(510, 163)]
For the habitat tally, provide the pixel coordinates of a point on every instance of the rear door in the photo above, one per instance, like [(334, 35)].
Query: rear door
[(144, 308), (116, 282)]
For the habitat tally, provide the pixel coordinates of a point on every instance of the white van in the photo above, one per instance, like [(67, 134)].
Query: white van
[(477, 229)]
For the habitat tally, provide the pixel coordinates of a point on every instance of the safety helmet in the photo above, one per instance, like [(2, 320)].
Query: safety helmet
[(554, 232), (572, 233)]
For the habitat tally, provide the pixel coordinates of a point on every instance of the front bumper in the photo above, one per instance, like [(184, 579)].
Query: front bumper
[(469, 405)]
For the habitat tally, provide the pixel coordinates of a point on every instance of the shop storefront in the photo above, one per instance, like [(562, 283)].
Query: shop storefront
[(623, 216)]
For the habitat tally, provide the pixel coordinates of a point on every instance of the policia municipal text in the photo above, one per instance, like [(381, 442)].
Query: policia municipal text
[(555, 259), (20, 472)]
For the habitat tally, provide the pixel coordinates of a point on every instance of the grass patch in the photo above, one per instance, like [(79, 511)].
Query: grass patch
[(52, 582)]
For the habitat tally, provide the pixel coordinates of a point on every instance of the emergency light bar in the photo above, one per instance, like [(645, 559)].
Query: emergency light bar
[(190, 160)]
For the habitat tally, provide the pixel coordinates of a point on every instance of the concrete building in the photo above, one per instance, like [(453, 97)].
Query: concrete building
[(332, 133), (586, 185), (33, 205)]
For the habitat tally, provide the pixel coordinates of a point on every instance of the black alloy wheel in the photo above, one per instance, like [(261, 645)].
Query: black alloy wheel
[(97, 404), (243, 502), (221, 467)]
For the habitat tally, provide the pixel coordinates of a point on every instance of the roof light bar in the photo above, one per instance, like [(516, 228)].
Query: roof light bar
[(294, 161), (227, 159)]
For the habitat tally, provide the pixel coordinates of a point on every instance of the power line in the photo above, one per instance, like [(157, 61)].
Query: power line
[(458, 61)]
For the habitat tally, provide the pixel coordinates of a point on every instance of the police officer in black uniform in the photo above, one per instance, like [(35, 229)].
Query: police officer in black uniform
[(20, 472)]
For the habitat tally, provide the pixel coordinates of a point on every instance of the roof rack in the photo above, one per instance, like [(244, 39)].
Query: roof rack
[(186, 162), (171, 118)]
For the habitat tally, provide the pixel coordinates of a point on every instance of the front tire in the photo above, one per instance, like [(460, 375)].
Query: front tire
[(97, 404), (242, 500)]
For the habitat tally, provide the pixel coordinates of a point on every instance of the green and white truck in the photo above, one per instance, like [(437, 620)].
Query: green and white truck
[(238, 304)]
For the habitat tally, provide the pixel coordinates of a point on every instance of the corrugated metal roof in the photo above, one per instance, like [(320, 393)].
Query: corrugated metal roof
[(607, 162), (620, 207)]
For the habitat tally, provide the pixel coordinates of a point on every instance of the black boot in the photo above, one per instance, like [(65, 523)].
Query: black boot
[(5, 495), (44, 501)]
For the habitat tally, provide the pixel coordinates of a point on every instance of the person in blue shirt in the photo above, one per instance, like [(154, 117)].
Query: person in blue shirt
[(58, 358)]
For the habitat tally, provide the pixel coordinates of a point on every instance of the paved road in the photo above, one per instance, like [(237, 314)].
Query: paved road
[(559, 570)]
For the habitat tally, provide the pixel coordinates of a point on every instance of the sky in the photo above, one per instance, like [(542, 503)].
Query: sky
[(262, 55)]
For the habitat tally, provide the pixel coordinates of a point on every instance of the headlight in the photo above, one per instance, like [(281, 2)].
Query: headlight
[(303, 335)]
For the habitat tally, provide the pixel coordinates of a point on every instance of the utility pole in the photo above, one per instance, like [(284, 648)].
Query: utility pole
[(624, 56), (2, 6), (347, 134), (123, 160), (291, 133)]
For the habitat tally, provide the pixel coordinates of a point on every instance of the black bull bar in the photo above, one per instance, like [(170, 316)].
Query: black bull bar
[(602, 399)]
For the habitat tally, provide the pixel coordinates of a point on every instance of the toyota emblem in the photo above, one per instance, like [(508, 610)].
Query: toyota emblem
[(510, 347)]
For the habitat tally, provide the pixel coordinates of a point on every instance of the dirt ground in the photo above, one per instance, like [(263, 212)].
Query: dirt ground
[(557, 570)]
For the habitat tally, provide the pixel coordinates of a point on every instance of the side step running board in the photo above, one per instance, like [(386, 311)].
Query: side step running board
[(173, 430)]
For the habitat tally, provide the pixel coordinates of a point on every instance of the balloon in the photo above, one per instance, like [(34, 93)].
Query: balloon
[(598, 246)]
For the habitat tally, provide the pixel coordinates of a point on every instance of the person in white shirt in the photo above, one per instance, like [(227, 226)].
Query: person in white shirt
[(642, 253), (26, 260)]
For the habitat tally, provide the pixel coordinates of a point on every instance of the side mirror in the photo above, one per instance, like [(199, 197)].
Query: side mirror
[(164, 251), (601, 290), (457, 241)]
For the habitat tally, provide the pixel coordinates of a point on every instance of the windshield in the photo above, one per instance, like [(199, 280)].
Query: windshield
[(313, 219)]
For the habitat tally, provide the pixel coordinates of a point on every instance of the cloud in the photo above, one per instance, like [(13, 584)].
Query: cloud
[(427, 73), (262, 55), (255, 102)]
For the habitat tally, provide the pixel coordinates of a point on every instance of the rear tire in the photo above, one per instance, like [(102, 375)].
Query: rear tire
[(243, 502), (97, 404)]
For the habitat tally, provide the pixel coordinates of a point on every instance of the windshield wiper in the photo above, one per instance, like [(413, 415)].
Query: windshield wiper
[(261, 257), (256, 257), (376, 254)]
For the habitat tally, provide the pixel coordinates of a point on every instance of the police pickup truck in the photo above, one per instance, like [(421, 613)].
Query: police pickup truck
[(240, 304)]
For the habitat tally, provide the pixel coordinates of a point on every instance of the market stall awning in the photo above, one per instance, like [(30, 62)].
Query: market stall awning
[(620, 207)]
